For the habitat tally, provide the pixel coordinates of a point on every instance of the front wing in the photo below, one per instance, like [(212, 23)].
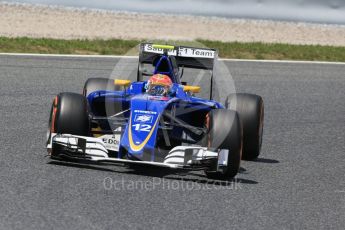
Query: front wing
[(97, 150)]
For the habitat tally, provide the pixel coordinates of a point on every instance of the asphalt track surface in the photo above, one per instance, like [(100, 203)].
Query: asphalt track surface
[(297, 183)]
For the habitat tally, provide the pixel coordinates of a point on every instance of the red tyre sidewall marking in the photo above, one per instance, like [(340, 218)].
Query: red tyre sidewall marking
[(209, 133), (52, 128)]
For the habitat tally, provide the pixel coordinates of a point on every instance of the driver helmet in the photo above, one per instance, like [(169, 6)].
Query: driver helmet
[(159, 84)]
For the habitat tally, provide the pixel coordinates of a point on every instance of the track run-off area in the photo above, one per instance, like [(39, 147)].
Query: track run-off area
[(297, 182)]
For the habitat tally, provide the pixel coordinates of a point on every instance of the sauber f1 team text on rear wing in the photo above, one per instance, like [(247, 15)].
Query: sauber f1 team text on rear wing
[(189, 57), (179, 57)]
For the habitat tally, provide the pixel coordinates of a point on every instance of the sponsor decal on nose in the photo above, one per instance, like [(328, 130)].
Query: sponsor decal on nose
[(145, 118)]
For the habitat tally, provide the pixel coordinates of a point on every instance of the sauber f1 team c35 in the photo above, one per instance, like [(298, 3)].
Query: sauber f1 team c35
[(157, 120)]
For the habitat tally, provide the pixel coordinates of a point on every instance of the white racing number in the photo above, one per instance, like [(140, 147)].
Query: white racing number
[(142, 127)]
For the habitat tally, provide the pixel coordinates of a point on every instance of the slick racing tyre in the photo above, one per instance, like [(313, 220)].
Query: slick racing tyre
[(96, 84), (251, 111), (225, 132), (69, 115), (102, 108)]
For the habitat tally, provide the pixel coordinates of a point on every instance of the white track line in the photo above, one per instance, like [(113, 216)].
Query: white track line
[(283, 61), (133, 57), (65, 55)]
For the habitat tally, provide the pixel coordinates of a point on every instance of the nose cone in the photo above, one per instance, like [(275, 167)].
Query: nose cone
[(142, 128)]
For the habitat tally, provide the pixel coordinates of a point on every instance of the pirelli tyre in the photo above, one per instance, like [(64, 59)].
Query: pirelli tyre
[(225, 132), (96, 84), (250, 108), (69, 115), (101, 107)]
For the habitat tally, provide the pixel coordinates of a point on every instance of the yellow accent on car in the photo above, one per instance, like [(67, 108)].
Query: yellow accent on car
[(120, 82), (133, 146), (192, 89), (164, 47), (96, 129)]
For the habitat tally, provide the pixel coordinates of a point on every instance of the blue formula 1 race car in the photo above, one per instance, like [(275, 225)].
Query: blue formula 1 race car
[(157, 120)]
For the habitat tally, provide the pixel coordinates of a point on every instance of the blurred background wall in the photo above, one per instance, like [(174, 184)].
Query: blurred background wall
[(319, 11)]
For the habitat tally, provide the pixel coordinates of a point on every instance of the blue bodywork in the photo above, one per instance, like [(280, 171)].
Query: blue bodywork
[(141, 132)]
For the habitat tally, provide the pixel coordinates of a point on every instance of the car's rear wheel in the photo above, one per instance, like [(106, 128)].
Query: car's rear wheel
[(96, 84), (250, 108), (102, 107), (225, 132), (69, 115)]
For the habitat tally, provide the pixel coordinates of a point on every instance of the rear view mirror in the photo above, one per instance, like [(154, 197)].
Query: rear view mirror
[(191, 89), (123, 83)]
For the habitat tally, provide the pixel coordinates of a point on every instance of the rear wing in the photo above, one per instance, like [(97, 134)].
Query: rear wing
[(189, 57), (185, 57)]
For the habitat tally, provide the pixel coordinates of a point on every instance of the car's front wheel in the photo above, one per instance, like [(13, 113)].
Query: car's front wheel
[(225, 132), (69, 115)]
